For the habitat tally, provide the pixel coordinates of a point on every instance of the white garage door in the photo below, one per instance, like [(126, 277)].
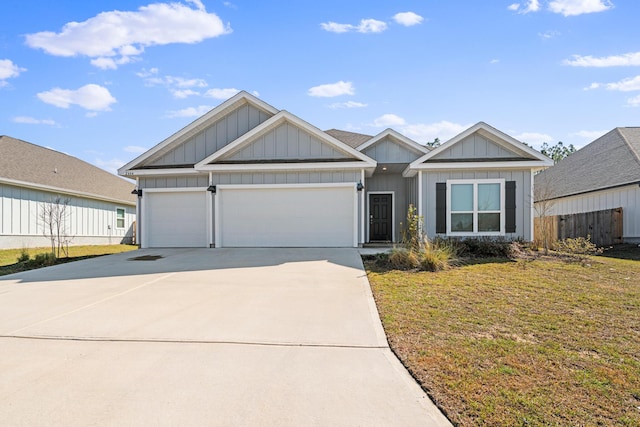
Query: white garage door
[(286, 216), (175, 219)]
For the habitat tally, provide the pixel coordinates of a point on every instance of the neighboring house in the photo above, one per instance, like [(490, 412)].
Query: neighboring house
[(101, 208), (602, 175), (246, 174)]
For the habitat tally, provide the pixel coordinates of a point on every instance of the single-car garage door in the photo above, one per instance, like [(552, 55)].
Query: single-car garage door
[(312, 215), (175, 219)]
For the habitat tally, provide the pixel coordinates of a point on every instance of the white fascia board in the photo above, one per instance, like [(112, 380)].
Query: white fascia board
[(499, 137), (282, 117), (174, 190), (199, 124), (59, 190), (246, 167), (531, 164), (220, 187), (411, 144), (160, 172)]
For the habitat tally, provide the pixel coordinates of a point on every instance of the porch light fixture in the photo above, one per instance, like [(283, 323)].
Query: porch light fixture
[(212, 188), (359, 186)]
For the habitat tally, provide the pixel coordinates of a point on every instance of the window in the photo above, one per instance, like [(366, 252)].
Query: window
[(475, 207), (119, 218)]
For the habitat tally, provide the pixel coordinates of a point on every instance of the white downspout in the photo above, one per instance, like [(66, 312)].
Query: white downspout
[(532, 203), (210, 201), (363, 214)]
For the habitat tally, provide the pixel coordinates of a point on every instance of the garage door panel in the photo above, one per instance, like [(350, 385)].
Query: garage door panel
[(287, 217), (176, 219)]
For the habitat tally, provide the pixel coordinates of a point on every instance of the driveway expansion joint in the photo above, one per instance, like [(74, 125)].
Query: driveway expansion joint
[(188, 341)]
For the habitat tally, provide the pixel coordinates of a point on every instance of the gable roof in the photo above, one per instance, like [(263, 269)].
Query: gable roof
[(528, 157), (610, 161), (28, 165), (352, 139), (362, 161), (197, 126), (396, 136)]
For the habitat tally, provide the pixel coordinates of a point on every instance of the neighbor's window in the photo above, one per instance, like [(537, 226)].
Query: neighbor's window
[(475, 207), (119, 218)]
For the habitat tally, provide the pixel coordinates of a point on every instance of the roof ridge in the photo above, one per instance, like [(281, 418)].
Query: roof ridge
[(628, 144)]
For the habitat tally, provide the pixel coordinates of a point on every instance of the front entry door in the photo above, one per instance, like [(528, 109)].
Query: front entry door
[(380, 217)]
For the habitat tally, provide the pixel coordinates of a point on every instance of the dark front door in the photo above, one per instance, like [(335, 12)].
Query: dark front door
[(380, 218)]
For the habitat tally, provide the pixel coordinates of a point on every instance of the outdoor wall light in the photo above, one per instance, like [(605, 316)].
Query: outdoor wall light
[(359, 187), (212, 188)]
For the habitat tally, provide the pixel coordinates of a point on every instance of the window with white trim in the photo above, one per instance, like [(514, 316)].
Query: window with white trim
[(120, 212), (476, 207)]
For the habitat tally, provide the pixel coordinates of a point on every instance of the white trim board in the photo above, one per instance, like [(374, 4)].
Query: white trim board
[(393, 214)]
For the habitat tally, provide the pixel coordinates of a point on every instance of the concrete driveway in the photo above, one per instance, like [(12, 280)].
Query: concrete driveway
[(269, 337)]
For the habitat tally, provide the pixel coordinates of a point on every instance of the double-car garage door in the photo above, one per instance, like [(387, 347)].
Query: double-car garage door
[(312, 215)]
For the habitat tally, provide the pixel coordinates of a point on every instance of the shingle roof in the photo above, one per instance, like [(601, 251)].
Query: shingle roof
[(352, 139), (609, 161), (29, 163)]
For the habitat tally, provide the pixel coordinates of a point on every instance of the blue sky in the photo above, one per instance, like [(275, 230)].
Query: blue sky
[(105, 80)]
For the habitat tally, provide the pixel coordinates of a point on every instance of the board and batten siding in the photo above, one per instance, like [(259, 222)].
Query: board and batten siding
[(628, 198), (388, 151), (523, 195), (89, 221), (287, 142), (221, 133), (476, 147), (186, 181)]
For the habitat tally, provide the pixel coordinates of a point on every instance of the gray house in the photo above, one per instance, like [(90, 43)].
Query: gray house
[(249, 175), (602, 175), (100, 210)]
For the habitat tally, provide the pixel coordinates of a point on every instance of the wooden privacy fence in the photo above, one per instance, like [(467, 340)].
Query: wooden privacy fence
[(604, 227)]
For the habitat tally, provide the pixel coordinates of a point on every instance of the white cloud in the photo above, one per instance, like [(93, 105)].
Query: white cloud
[(348, 104), (332, 89), (408, 18), (111, 166), (534, 138), (627, 59), (589, 134), (134, 149), (549, 34), (183, 93), (634, 102), (8, 70), (189, 112), (179, 87), (625, 85), (90, 97), (593, 86), (426, 132), (118, 37), (494, 61), (388, 120), (365, 26), (33, 121), (529, 6), (579, 7), (219, 93)]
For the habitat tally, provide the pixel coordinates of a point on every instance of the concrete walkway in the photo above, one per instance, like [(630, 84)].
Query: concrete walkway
[(270, 337)]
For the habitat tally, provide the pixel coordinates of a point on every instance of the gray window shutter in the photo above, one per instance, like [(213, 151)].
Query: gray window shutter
[(510, 207), (441, 207)]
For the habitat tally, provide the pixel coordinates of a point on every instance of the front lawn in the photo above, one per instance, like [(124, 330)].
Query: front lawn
[(506, 343), (9, 257)]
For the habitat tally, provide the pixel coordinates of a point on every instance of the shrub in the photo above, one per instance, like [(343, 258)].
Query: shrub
[(578, 248), (403, 259), (24, 256), (437, 256), (43, 260), (483, 247)]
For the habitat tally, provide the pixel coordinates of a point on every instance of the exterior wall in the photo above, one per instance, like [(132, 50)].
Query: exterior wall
[(189, 181), (287, 142), (216, 136), (523, 197), (388, 151), (628, 198), (89, 221), (398, 185), (476, 147)]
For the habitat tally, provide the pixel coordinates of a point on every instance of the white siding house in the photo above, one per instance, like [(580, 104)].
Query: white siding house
[(100, 208), (602, 175)]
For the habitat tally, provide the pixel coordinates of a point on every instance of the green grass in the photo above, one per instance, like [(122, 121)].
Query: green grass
[(540, 342), (9, 257)]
